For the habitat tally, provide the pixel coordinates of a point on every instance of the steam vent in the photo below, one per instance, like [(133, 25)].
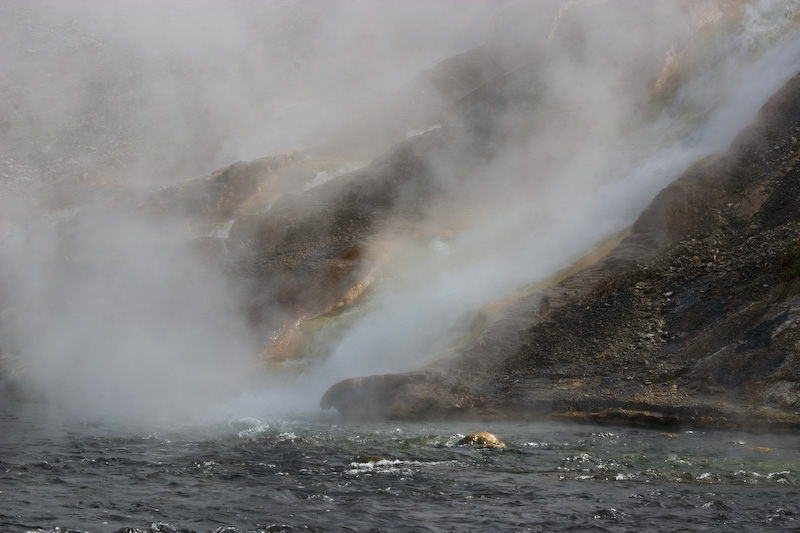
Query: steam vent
[(589, 213)]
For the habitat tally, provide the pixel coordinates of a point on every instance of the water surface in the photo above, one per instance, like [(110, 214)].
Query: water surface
[(322, 473)]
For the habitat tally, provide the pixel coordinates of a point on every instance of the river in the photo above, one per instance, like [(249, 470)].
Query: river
[(315, 472)]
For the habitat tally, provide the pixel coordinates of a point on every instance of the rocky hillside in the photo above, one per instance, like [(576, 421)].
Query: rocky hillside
[(517, 156), (692, 319)]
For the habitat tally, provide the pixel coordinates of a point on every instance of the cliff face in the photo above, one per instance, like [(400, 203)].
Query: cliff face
[(693, 318)]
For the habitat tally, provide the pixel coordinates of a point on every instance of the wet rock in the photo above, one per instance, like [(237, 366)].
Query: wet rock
[(484, 439), (373, 396)]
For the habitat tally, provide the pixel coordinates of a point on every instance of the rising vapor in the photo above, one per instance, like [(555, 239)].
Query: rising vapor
[(544, 128)]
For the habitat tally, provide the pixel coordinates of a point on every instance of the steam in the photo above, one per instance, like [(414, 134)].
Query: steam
[(107, 307), (123, 325), (111, 310), (598, 179), (157, 91)]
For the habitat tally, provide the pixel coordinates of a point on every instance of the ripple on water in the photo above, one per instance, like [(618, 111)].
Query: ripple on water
[(306, 475)]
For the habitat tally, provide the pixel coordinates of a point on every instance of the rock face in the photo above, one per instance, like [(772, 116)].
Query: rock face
[(692, 319)]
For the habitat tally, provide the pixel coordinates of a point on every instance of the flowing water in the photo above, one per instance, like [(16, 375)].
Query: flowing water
[(322, 473)]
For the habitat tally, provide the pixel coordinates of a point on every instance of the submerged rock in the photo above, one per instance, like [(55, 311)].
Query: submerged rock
[(484, 439)]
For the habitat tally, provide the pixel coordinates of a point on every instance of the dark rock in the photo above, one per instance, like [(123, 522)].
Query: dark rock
[(688, 321)]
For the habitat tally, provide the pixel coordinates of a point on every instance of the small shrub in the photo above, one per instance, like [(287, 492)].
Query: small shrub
[(790, 262)]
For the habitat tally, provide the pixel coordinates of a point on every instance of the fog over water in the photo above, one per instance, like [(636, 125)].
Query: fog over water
[(111, 313)]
